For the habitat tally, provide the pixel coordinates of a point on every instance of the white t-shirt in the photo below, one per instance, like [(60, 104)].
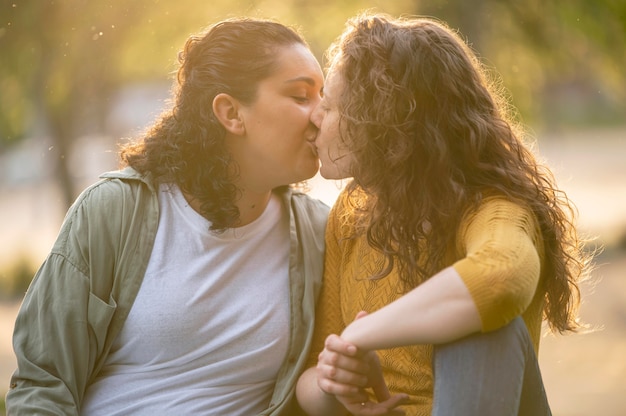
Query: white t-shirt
[(209, 329)]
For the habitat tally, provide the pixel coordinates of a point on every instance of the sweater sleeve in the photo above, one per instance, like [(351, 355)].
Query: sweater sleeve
[(500, 262)]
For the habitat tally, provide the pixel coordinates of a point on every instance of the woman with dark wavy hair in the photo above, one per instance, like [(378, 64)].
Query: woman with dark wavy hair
[(450, 244), (186, 282)]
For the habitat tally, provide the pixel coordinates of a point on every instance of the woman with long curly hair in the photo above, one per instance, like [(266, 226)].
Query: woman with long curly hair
[(450, 245), (185, 283)]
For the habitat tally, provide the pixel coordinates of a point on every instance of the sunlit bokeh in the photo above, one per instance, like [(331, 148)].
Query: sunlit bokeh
[(77, 77)]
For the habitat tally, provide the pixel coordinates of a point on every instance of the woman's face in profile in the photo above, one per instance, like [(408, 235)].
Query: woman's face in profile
[(335, 157), (276, 147)]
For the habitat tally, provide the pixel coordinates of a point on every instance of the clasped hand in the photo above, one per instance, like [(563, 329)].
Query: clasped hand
[(345, 372)]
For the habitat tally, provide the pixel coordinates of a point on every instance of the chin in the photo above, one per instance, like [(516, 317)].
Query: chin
[(303, 176), (329, 175), (333, 174), (310, 171)]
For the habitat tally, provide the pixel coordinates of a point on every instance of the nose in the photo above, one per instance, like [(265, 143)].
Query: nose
[(316, 115)]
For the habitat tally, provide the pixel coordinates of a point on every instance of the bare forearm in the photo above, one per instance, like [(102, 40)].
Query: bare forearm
[(438, 311), (313, 400)]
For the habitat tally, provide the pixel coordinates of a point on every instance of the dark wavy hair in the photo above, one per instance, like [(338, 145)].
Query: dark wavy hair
[(432, 135), (186, 145)]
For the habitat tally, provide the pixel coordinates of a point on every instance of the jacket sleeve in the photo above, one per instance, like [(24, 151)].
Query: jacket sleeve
[(51, 342), (61, 325)]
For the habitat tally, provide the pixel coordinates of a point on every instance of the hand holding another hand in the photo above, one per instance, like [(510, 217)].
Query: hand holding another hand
[(346, 373)]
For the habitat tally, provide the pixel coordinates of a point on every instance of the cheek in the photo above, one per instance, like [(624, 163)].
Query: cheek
[(328, 127), (299, 114)]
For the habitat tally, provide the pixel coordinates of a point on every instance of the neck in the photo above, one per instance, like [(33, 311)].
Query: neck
[(251, 205)]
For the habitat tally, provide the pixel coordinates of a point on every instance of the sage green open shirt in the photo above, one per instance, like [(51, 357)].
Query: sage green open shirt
[(83, 292)]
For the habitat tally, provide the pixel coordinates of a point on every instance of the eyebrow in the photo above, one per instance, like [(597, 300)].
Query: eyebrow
[(308, 80)]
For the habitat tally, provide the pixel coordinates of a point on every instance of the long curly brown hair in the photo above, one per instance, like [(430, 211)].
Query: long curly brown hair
[(432, 135), (186, 145)]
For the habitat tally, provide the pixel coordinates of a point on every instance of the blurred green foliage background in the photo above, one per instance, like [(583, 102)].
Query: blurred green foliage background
[(62, 62)]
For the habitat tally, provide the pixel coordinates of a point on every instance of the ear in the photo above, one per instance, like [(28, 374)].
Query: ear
[(226, 109)]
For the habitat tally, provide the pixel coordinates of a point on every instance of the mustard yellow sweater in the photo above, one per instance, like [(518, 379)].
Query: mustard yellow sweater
[(498, 254)]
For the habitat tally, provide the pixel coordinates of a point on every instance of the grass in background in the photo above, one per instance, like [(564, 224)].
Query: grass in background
[(15, 278)]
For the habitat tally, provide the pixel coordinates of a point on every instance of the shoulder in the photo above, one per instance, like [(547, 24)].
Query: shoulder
[(499, 218), (349, 207), (112, 193), (108, 206), (500, 208)]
